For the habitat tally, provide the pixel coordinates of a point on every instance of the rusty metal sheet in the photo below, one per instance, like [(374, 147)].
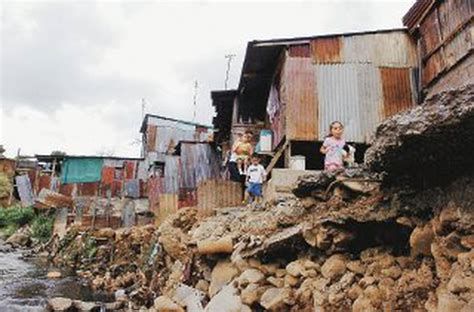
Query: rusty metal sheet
[(300, 50), (7, 166), (430, 33), (151, 138), (53, 199), (187, 197), (384, 49), (459, 46), (326, 50), (452, 14), (168, 206), (299, 96), (397, 89), (214, 194), (352, 94), (433, 66), (44, 182)]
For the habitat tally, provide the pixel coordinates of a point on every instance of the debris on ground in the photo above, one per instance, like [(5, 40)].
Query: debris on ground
[(350, 240)]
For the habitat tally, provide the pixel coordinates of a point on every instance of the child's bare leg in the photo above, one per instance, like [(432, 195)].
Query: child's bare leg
[(240, 165)]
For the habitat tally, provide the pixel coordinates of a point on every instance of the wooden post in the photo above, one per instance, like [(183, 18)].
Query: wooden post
[(288, 155)]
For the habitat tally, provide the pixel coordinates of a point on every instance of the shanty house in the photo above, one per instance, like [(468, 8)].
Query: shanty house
[(184, 167), (444, 34), (296, 87)]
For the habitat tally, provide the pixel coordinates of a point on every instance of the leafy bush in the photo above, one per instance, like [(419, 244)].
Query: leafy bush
[(16, 215), (42, 227), (9, 230)]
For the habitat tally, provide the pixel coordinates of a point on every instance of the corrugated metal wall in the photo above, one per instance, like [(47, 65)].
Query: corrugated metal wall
[(218, 194), (300, 99), (352, 94), (358, 80)]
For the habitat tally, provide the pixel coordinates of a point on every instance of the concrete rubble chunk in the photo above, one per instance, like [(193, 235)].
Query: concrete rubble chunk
[(295, 268), (84, 306), (189, 297)]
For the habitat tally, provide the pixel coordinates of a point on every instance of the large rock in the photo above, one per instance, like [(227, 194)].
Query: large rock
[(165, 304), (362, 304), (459, 283), (295, 268), (334, 267), (403, 145), (250, 294), (222, 274), (273, 299), (19, 239), (250, 276), (59, 304), (225, 300), (84, 306), (448, 302), (421, 239)]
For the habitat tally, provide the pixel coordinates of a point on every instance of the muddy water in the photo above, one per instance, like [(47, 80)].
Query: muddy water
[(24, 286)]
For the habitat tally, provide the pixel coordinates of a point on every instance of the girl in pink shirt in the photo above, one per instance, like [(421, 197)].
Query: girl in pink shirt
[(333, 147)]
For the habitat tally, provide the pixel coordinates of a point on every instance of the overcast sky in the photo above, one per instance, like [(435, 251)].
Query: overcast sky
[(73, 73)]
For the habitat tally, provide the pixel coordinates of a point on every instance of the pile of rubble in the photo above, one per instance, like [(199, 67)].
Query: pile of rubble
[(348, 241)]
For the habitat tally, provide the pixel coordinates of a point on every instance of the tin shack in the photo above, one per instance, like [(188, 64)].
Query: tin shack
[(294, 88)]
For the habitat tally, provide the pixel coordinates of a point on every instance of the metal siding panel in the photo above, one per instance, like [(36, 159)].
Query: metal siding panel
[(214, 194), (459, 46), (385, 49), (350, 93), (452, 14), (300, 99), (430, 33), (370, 100), (151, 138), (326, 50), (397, 90), (433, 66)]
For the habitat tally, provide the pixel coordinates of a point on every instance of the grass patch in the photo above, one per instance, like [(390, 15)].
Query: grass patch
[(42, 227), (16, 215)]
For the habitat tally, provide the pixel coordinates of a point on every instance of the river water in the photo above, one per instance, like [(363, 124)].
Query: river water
[(24, 286)]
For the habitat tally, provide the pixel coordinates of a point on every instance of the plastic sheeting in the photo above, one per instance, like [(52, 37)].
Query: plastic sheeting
[(80, 170)]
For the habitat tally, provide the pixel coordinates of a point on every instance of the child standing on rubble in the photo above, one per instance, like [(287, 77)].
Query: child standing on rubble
[(255, 176), (333, 147)]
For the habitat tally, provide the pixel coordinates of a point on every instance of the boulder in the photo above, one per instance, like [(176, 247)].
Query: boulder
[(421, 239), (84, 306), (362, 304), (278, 282), (165, 304), (250, 276), (59, 304), (355, 266), (295, 268), (273, 299), (221, 275), (225, 300), (54, 274), (222, 245), (334, 267), (459, 283), (249, 294), (448, 302), (19, 239)]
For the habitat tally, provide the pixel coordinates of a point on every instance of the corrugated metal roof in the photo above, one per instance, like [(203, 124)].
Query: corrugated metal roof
[(350, 93), (411, 18), (298, 95)]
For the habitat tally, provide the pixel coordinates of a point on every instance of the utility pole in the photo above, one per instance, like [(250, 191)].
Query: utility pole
[(143, 108), (195, 99), (229, 58)]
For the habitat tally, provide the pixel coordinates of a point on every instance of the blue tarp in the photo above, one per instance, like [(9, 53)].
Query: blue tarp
[(80, 170)]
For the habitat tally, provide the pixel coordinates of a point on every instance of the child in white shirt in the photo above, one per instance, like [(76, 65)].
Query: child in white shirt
[(255, 176)]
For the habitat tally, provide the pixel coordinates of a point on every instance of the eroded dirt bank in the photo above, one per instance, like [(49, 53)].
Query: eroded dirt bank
[(383, 238)]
